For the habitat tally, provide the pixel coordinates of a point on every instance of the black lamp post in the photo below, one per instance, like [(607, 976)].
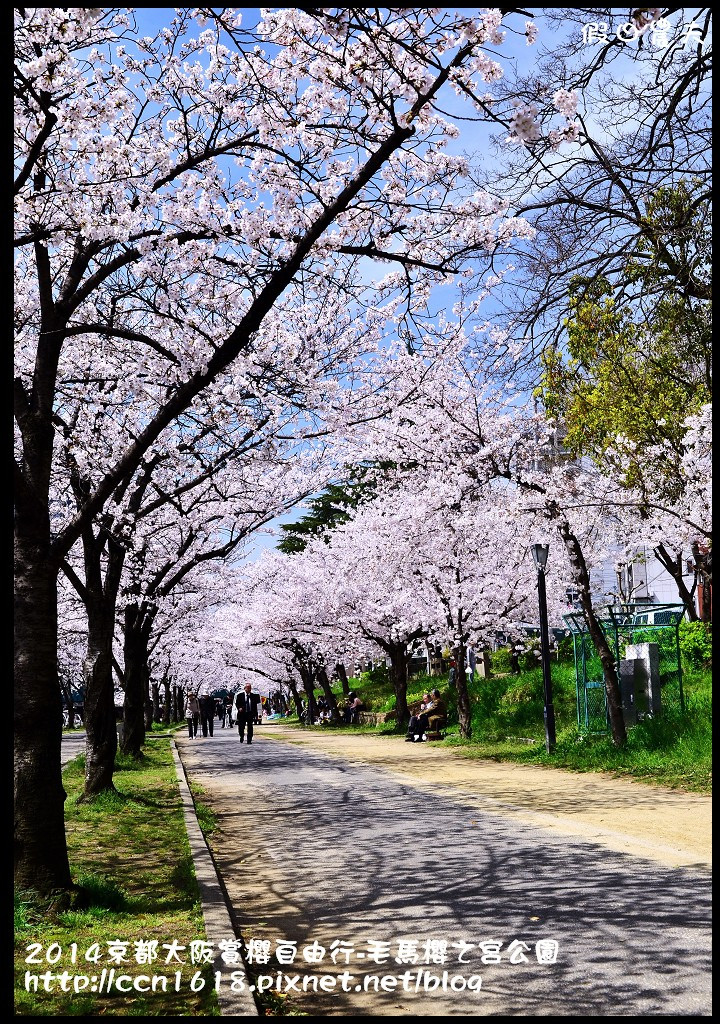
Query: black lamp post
[(540, 556)]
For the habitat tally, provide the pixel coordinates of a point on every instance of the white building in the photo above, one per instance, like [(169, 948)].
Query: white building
[(644, 579)]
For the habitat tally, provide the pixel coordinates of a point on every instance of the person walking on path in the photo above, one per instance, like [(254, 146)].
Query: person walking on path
[(221, 711), (230, 710), (192, 714), (246, 705), (207, 713)]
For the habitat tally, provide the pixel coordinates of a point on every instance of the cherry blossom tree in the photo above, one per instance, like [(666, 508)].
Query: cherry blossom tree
[(257, 625), (413, 563), (640, 109), (469, 565), (205, 524), (193, 501), (474, 439), (279, 626), (189, 641), (190, 203), (362, 591), (674, 527)]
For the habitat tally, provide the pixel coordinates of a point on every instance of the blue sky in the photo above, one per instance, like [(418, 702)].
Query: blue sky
[(474, 136)]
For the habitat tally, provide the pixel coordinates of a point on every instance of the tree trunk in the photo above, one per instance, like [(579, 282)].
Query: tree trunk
[(149, 704), (307, 678), (461, 688), (673, 564), (329, 695), (155, 687), (342, 676), (40, 848), (100, 725), (399, 677), (178, 703), (167, 706), (138, 621), (295, 696), (612, 687), (703, 571), (705, 601), (66, 690), (99, 598)]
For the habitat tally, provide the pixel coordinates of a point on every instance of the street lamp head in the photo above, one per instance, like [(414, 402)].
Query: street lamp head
[(540, 555)]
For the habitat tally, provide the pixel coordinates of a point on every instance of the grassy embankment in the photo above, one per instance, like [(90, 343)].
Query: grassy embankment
[(673, 749), (131, 860)]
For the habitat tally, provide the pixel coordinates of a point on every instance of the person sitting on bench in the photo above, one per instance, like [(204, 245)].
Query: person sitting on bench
[(352, 709), (419, 724), (415, 726)]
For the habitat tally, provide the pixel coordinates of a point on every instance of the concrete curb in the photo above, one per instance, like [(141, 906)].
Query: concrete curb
[(216, 915)]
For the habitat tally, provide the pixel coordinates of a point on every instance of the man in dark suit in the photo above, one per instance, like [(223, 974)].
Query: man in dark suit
[(207, 713), (246, 704)]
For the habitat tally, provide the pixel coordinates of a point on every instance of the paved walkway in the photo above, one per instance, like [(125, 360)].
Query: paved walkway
[(73, 743), (360, 841)]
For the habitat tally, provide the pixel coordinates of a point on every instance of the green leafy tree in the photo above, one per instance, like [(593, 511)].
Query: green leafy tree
[(638, 361), (637, 366), (328, 510), (334, 506)]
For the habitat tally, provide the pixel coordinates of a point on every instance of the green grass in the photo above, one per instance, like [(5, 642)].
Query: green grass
[(131, 862), (674, 749), (154, 728), (207, 819)]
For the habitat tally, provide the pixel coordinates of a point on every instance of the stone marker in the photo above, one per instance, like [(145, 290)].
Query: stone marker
[(647, 676)]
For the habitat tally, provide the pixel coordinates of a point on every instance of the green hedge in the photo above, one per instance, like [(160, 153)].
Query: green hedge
[(695, 644)]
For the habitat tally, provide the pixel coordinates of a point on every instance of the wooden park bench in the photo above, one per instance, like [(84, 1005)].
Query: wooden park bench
[(437, 724)]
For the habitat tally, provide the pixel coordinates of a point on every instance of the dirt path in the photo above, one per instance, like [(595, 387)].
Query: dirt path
[(662, 824)]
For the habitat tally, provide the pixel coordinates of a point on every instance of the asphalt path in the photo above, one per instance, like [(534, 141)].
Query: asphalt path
[(73, 743), (390, 878)]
